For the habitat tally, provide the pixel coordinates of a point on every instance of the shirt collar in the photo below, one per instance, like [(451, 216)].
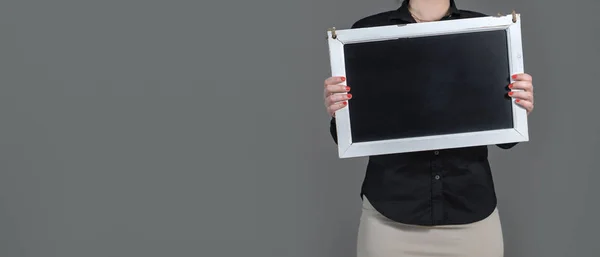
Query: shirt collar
[(403, 14)]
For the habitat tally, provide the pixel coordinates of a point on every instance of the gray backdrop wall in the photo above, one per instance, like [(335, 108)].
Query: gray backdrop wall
[(196, 128)]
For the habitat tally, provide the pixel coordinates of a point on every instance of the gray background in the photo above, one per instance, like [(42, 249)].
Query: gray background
[(197, 128)]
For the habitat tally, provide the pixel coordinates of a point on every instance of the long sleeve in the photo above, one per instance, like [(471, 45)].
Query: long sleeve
[(333, 129), (507, 146)]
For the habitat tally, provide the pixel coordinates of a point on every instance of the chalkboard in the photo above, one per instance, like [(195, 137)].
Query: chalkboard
[(434, 85), (426, 86)]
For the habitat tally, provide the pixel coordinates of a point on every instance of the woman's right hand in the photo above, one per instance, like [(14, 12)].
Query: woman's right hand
[(335, 94)]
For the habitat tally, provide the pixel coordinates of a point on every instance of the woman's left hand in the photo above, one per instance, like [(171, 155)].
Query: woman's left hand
[(524, 94)]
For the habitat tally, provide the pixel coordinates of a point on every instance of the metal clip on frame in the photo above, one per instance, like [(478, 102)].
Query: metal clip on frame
[(514, 16), (333, 35)]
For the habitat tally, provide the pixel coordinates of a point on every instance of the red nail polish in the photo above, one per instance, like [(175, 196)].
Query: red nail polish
[(517, 100), (510, 93), (510, 86), (349, 95), (345, 103), (514, 76), (347, 88), (343, 78)]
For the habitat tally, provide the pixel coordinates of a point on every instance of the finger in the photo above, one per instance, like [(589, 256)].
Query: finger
[(336, 98), (333, 89), (522, 77), (522, 85), (334, 80), (335, 107), (521, 95), (525, 104)]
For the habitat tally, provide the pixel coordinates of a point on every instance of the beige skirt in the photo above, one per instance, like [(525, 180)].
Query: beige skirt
[(379, 236)]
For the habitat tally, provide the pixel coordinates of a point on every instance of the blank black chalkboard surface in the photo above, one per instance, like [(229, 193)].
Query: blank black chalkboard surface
[(428, 85)]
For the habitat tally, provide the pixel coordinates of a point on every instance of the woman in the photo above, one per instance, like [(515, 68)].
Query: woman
[(429, 203)]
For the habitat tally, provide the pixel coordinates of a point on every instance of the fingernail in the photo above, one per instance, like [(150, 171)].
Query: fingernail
[(510, 86), (347, 88), (343, 78), (518, 101), (510, 93), (349, 95), (514, 76), (345, 103)]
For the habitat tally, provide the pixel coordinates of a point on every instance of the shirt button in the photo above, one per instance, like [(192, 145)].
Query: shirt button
[(437, 177), (436, 152)]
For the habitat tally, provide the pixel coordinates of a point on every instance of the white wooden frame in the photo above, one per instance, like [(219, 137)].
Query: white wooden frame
[(338, 38)]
